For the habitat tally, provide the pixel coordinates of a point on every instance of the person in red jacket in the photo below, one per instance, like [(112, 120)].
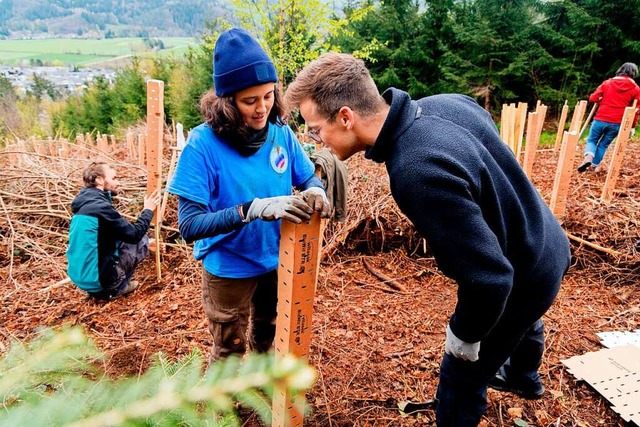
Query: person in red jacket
[(613, 95)]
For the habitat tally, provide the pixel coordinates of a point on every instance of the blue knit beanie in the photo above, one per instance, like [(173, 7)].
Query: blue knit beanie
[(240, 62)]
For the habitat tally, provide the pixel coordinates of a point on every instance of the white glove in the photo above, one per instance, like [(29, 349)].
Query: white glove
[(291, 208), (317, 200), (460, 349)]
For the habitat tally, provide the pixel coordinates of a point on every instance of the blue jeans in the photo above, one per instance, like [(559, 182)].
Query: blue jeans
[(600, 136), (518, 336)]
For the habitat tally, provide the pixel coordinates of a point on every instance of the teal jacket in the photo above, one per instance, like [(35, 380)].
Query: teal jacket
[(95, 233)]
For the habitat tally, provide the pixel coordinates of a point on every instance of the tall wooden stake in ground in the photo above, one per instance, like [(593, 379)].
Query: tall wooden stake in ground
[(561, 124), (155, 127), (618, 153), (297, 276), (558, 203)]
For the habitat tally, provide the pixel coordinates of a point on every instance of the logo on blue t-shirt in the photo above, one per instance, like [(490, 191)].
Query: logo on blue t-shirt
[(279, 159)]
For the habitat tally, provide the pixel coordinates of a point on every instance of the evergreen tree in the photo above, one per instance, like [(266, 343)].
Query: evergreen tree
[(594, 37), (410, 38), (54, 380), (10, 119), (41, 86)]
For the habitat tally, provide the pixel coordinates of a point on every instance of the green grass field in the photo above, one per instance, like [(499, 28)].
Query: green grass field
[(83, 52)]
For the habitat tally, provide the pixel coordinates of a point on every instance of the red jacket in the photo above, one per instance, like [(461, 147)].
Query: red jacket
[(614, 95)]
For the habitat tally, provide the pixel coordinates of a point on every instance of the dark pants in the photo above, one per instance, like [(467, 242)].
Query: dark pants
[(518, 336), (130, 255), (241, 312)]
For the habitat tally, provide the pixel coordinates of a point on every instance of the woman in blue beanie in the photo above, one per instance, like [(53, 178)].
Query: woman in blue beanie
[(234, 181)]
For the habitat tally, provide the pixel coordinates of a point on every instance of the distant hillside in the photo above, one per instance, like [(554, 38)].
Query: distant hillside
[(107, 18)]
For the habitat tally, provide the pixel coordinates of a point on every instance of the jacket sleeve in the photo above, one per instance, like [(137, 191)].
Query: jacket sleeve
[(196, 223), (637, 98), (125, 231), (313, 181), (596, 96)]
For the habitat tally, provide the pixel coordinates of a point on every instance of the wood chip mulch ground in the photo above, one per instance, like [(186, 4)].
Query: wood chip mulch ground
[(381, 304)]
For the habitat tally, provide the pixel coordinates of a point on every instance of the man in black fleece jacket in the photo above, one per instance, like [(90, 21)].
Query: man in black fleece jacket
[(104, 248), (486, 224)]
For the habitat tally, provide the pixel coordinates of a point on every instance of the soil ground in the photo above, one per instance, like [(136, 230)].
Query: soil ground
[(372, 345)]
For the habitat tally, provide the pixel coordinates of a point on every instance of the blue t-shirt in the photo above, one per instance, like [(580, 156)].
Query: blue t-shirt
[(213, 173)]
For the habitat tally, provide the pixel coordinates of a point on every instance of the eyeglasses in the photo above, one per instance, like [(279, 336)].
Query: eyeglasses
[(315, 133)]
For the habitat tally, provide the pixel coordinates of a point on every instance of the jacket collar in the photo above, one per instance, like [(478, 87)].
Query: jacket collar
[(402, 113)]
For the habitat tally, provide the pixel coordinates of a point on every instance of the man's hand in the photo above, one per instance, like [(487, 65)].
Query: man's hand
[(317, 200), (460, 349), (291, 208), (152, 200)]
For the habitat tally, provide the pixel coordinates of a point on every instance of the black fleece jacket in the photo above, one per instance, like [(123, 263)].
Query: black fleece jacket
[(463, 189)]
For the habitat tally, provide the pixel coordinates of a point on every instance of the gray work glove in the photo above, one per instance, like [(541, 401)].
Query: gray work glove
[(291, 208), (460, 349), (317, 200)]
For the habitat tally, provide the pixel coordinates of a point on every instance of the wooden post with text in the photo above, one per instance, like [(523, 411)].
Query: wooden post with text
[(560, 190), (155, 128), (618, 153), (299, 260)]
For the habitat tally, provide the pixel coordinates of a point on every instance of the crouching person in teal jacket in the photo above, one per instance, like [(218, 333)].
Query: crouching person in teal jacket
[(104, 248)]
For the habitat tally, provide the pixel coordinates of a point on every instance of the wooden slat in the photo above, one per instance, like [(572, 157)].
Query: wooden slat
[(142, 141), (521, 119), (155, 127), (562, 180), (578, 115), (561, 123), (534, 139), (300, 246), (618, 154)]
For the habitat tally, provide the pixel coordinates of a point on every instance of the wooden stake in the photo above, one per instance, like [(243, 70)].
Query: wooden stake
[(586, 122), (300, 246), (536, 130), (561, 123), (155, 127), (503, 116), (529, 149), (513, 116), (141, 149), (560, 191), (80, 142), (618, 152), (130, 146), (521, 118), (578, 115)]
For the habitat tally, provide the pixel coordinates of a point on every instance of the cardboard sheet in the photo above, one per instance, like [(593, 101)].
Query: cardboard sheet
[(618, 338), (615, 374)]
